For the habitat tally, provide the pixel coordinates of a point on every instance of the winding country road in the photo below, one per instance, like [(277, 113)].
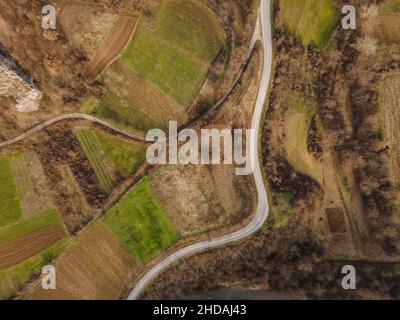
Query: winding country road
[(262, 207)]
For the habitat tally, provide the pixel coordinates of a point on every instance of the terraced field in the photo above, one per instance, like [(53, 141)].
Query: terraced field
[(110, 157), (140, 223), (297, 126), (311, 20)]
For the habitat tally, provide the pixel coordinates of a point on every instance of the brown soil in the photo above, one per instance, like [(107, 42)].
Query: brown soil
[(115, 42), (95, 268), (16, 251)]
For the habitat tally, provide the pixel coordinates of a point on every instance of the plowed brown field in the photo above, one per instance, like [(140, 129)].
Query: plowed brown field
[(113, 44), (18, 250), (95, 268)]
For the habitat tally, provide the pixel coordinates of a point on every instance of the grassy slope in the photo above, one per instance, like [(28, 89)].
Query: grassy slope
[(172, 70), (311, 20), (10, 207), (100, 147), (127, 157), (298, 121), (140, 223), (186, 24), (176, 55)]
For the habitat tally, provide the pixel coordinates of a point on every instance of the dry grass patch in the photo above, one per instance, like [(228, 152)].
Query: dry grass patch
[(297, 126), (389, 109), (385, 28)]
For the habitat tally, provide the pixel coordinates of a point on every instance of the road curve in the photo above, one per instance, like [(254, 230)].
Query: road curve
[(71, 116), (262, 211)]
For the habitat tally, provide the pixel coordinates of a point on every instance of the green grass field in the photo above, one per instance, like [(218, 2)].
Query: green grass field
[(169, 68), (10, 207), (192, 27), (176, 55), (27, 226), (91, 147), (121, 113), (311, 20), (140, 223), (125, 158)]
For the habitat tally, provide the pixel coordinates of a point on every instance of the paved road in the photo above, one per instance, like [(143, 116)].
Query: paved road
[(262, 207)]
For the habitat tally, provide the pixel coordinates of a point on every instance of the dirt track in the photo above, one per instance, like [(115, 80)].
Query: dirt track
[(113, 44), (18, 250)]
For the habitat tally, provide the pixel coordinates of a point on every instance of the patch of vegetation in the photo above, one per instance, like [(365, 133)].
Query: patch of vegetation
[(283, 209), (89, 105), (10, 207), (88, 142), (390, 6), (298, 121), (311, 20), (14, 278), (192, 26), (177, 53), (127, 157), (140, 223), (172, 70), (27, 226), (121, 113)]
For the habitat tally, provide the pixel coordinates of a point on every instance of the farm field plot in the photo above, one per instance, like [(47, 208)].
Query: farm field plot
[(110, 157), (25, 188), (96, 267), (13, 279), (386, 27), (91, 148), (389, 6), (389, 104), (10, 206), (140, 223), (311, 20), (175, 72), (27, 245), (113, 44), (162, 69), (144, 97), (121, 113), (297, 126)]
